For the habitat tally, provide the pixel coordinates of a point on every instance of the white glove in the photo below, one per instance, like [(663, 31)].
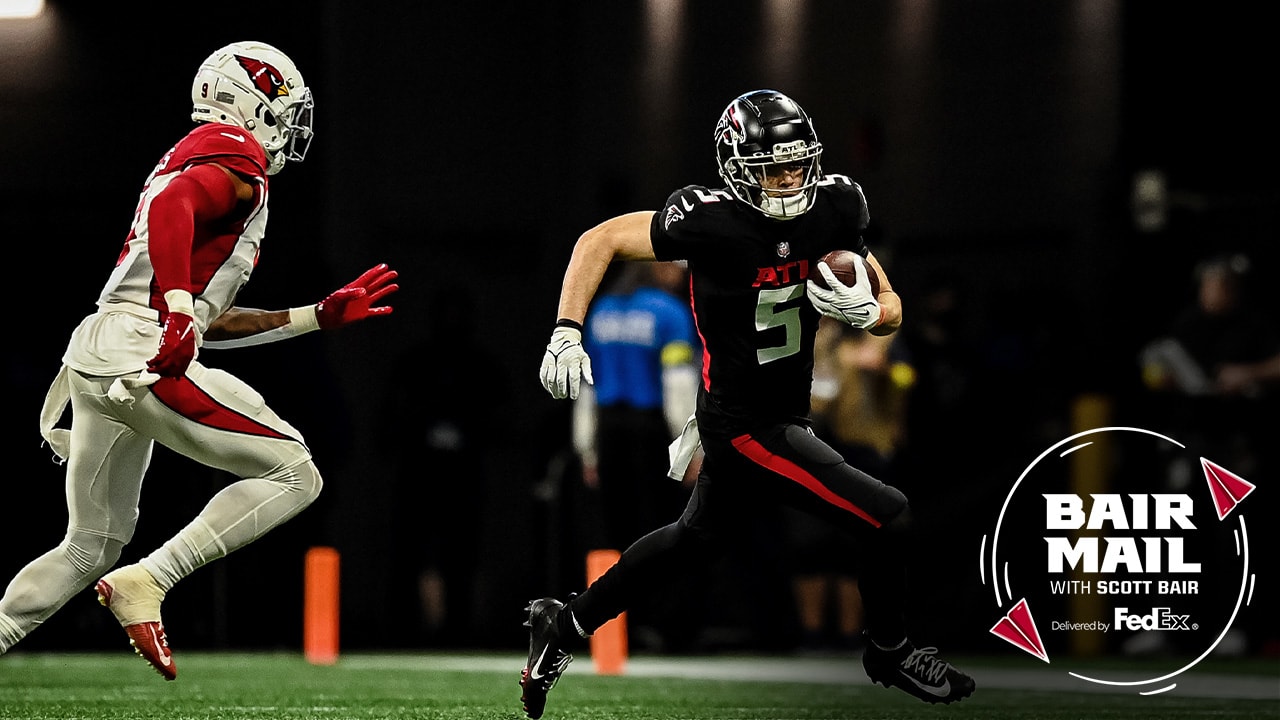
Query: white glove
[(565, 364), (853, 305)]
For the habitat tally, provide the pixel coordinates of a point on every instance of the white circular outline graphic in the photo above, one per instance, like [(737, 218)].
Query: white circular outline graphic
[(995, 541)]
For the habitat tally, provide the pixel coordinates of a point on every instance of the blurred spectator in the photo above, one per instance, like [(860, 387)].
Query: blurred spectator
[(1213, 373), (1220, 345), (1213, 378), (645, 359), (860, 390), (641, 338)]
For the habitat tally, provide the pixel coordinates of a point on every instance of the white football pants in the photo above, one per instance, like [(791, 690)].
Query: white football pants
[(211, 417)]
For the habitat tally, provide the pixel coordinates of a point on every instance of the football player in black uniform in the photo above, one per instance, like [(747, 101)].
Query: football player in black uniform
[(753, 249)]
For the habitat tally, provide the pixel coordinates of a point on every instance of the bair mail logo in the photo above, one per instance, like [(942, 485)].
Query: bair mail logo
[(1115, 538)]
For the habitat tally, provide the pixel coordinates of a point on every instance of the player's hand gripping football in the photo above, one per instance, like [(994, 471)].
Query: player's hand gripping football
[(854, 304), (565, 364), (358, 299), (178, 337)]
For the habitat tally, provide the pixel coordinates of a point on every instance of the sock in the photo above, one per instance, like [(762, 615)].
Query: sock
[(572, 635), (891, 647)]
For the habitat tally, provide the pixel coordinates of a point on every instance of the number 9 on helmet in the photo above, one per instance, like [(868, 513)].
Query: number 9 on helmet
[(254, 86)]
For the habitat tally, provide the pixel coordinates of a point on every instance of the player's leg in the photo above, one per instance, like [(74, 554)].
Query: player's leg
[(647, 566), (802, 471), (217, 420), (662, 557), (549, 653), (815, 479), (104, 478)]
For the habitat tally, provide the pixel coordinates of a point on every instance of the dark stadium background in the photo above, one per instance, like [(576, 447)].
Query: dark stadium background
[(468, 144)]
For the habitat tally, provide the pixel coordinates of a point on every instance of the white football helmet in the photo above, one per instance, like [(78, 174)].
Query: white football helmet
[(254, 86)]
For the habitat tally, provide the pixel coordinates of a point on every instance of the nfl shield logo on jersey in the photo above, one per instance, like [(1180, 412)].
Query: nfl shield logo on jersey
[(784, 249)]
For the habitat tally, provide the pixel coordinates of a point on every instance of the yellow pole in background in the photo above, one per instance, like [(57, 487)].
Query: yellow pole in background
[(1090, 474)]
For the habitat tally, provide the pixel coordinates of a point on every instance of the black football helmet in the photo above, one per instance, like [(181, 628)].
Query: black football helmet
[(769, 153)]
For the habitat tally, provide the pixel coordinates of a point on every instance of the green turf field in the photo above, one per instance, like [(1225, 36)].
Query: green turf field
[(212, 686)]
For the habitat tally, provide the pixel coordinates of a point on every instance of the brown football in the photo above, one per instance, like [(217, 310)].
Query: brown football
[(841, 264)]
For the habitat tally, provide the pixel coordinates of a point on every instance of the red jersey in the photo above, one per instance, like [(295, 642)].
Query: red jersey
[(224, 252)]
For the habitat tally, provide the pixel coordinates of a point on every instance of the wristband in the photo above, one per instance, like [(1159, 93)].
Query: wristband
[(179, 301), (566, 322), (303, 319)]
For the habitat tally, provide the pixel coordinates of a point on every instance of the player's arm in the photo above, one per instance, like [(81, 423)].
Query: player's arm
[(625, 237), (202, 193), (890, 303), (239, 323), (359, 299)]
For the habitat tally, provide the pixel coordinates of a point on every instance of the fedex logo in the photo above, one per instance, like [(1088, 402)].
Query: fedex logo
[(1161, 618)]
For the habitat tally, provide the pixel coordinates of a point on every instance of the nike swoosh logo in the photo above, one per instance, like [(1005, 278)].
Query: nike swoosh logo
[(164, 657), (237, 138), (941, 691), (533, 669), (688, 206)]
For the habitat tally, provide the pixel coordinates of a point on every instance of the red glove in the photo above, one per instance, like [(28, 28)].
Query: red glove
[(358, 299), (178, 339)]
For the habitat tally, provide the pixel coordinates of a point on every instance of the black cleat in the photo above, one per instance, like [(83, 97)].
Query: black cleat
[(919, 672), (547, 660)]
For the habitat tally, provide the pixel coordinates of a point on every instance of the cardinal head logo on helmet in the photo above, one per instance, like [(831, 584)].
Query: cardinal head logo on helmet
[(266, 78)]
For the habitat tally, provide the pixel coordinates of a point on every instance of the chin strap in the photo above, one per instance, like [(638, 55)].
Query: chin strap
[(785, 208)]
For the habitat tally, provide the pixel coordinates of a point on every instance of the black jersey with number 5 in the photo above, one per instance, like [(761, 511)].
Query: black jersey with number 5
[(748, 276)]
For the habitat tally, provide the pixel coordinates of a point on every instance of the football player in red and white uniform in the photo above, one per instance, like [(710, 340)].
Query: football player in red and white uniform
[(753, 248), (131, 372)]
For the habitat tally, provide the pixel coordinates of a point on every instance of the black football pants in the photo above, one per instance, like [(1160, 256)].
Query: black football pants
[(743, 475)]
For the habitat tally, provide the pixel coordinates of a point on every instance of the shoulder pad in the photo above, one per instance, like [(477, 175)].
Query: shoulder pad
[(229, 145), (694, 201), (847, 197)]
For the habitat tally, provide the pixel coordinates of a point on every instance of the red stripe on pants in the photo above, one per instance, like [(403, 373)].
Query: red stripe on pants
[(756, 453)]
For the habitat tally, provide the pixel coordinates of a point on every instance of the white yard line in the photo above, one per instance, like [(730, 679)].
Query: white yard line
[(835, 670)]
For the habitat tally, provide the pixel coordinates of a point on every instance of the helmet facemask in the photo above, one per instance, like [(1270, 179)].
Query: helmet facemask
[(290, 131), (781, 185)]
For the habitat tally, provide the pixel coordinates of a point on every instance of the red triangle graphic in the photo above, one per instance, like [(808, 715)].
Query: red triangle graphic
[(1021, 616), (1222, 501), (1227, 488), (1018, 628), (1006, 629)]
